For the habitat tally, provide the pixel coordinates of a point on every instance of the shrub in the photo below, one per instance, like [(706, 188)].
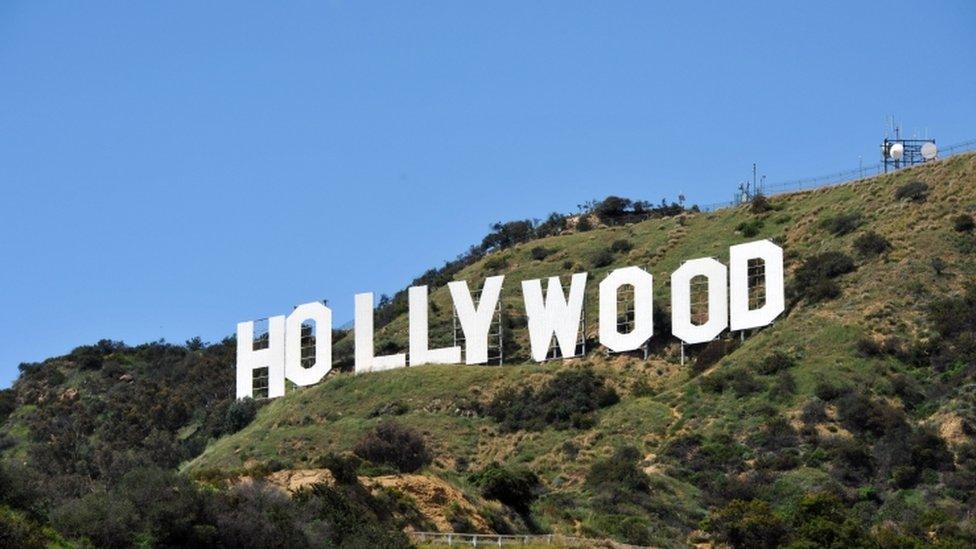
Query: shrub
[(584, 224), (784, 386), (517, 488), (602, 258), (750, 524), (496, 262), (743, 383), (392, 408), (813, 412), (760, 204), (740, 381), (621, 245), (938, 265), (395, 445), (820, 519), (342, 467), (239, 415), (618, 473), (540, 253), (8, 403), (566, 400), (860, 413), (750, 228), (842, 224), (853, 461), (814, 278), (915, 191), (105, 520), (459, 520), (775, 362), (868, 347), (871, 244), (963, 223), (827, 391), (18, 531)]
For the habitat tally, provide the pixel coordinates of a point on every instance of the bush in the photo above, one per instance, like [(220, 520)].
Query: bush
[(539, 253), (621, 246), (740, 381), (8, 403), (784, 386), (814, 278), (750, 228), (342, 467), (18, 531), (743, 383), (102, 518), (842, 224), (860, 413), (760, 204), (749, 524), (393, 408), (868, 347), (496, 262), (239, 415), (566, 400), (827, 391), (775, 362), (813, 412), (584, 224), (915, 191), (963, 223), (618, 473), (517, 488), (871, 244), (601, 258), (392, 444)]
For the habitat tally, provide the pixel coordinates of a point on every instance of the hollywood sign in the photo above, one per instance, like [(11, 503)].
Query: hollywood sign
[(550, 314)]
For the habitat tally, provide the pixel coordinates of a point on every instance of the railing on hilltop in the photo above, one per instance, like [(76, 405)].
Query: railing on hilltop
[(498, 540), (838, 178)]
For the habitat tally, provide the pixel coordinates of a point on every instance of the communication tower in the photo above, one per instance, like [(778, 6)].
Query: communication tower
[(898, 152)]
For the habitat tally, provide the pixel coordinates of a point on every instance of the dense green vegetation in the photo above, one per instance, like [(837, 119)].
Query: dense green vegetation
[(847, 423)]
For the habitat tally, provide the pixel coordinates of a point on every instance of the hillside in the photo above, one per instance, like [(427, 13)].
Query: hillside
[(849, 421)]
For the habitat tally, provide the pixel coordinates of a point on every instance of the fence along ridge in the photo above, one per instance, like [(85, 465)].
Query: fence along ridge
[(839, 178)]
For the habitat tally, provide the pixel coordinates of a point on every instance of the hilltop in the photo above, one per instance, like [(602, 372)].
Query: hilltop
[(849, 421)]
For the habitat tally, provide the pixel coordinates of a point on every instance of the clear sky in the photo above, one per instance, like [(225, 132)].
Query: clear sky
[(170, 168)]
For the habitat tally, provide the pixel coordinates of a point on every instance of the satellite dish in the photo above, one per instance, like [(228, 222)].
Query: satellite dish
[(896, 151), (929, 150)]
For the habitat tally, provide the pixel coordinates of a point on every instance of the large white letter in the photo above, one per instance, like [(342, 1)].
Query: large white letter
[(643, 284), (475, 322), (322, 315), (419, 352), (365, 360), (742, 318), (272, 358), (555, 315), (718, 315)]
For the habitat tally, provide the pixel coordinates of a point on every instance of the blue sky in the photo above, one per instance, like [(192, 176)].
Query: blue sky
[(168, 169)]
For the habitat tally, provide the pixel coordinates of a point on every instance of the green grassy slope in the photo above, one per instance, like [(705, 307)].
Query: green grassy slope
[(886, 297)]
